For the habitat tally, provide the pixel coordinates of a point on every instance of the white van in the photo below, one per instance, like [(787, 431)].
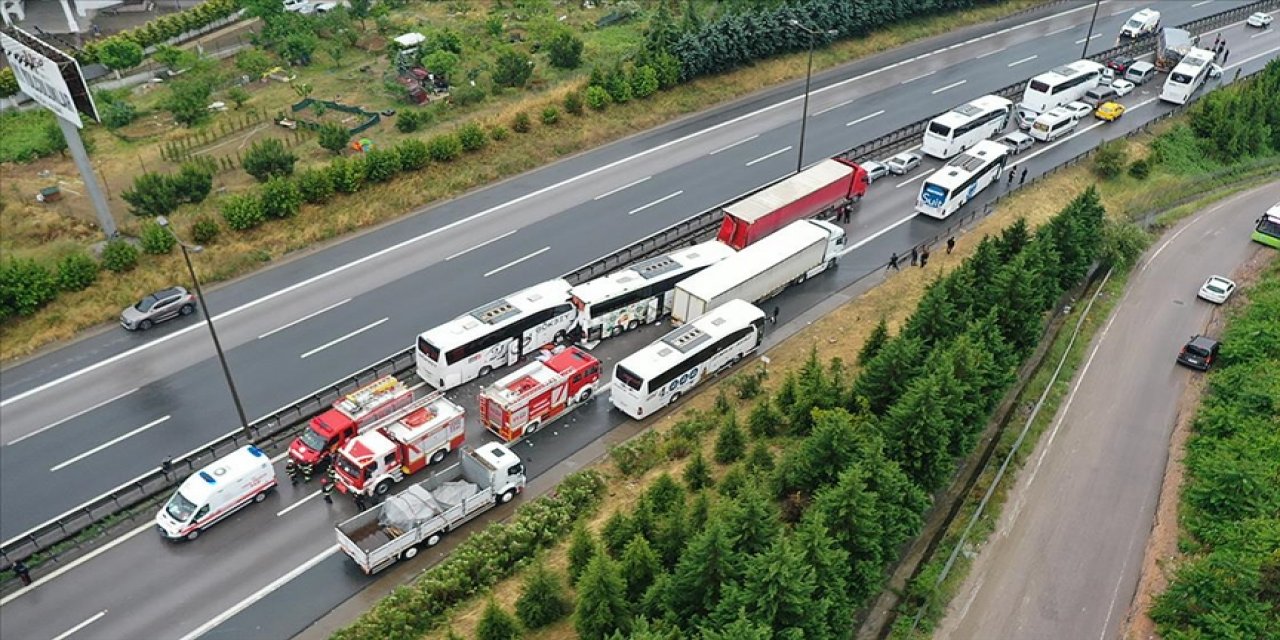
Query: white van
[(1141, 23), (1053, 125), (215, 492), (1140, 72)]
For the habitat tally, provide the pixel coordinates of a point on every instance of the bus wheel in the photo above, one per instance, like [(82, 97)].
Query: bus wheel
[(633, 325), (675, 397), (382, 488), (559, 337), (485, 370)]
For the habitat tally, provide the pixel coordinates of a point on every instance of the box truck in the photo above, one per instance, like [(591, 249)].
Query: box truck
[(819, 190)]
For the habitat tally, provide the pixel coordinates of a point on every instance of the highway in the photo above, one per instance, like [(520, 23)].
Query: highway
[(253, 553), (1045, 573)]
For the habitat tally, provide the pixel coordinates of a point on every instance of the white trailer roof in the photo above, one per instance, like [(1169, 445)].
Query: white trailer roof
[(757, 206), (754, 260)]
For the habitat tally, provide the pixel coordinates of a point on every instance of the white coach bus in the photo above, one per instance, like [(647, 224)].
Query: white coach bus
[(962, 178), (660, 373), (966, 125), (495, 335), (1056, 88), (1187, 77)]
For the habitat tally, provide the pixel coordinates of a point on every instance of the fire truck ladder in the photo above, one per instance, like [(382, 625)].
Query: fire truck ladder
[(361, 400), (408, 409)]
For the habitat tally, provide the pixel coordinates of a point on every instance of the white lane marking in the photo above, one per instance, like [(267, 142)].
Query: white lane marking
[(260, 594), (864, 118), (658, 201), (625, 186), (483, 244), (306, 317), (108, 443), (766, 157), (989, 53), (92, 619), (150, 526), (909, 181), (1202, 3), (834, 107), (1018, 62), (1057, 31), (517, 261), (70, 417), (914, 78), (1096, 35), (1262, 33), (346, 337), (877, 234), (296, 504), (950, 86), (1116, 13), (1166, 243), (734, 144), (532, 194)]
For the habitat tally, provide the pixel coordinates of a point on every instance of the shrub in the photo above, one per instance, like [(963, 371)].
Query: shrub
[(573, 102), (467, 95), (565, 50), (1140, 169), (8, 83), (205, 229), (542, 598), (442, 62), (119, 256), (499, 133), (381, 165), (156, 240), (315, 186), (194, 181), (280, 198), (413, 155), (471, 136), (493, 25), (153, 194), (1109, 160), (618, 83), (408, 121), (188, 100), (117, 113), (25, 286), (644, 82), (76, 271), (117, 53), (597, 98), (668, 68), (512, 68), (268, 158), (550, 115), (444, 147), (238, 96), (521, 123), (334, 136), (731, 444), (496, 624), (243, 211), (253, 62), (347, 175)]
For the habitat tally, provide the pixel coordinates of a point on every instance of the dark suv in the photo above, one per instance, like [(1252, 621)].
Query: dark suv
[(1199, 352), (158, 307)]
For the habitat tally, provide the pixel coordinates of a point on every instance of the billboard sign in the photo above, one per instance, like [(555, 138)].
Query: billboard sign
[(51, 77)]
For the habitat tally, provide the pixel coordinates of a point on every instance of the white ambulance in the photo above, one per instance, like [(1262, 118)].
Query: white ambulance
[(215, 492)]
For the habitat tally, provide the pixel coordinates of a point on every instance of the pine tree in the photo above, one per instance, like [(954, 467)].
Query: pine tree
[(697, 474), (706, 567), (883, 380), (830, 566), (496, 624), (814, 390), (1020, 314), (984, 263), (816, 461), (848, 508), (731, 445), (699, 512), (582, 548), (936, 318), (665, 494), (765, 420), (875, 342), (542, 598), (1013, 239), (918, 432), (741, 628), (671, 533), (760, 460), (639, 566), (777, 592), (617, 532), (752, 521), (602, 605)]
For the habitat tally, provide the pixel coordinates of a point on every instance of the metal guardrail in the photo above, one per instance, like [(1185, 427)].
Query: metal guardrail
[(58, 537)]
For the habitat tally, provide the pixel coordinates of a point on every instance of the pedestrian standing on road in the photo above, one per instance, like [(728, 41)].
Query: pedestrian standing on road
[(1011, 177), (23, 573), (359, 498), (893, 262), (951, 244), (1226, 53), (774, 318), (291, 469), (924, 257), (1216, 39), (306, 472), (915, 256), (1237, 75), (326, 489), (1023, 179)]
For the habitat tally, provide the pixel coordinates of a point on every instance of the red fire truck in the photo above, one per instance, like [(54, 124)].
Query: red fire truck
[(525, 401), (351, 414), (401, 444)]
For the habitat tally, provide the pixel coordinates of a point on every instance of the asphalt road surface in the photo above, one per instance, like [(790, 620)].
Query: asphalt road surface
[(278, 551), (1065, 559), (95, 414)]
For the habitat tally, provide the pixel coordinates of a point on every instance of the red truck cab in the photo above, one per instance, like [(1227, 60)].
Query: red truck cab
[(327, 432), (537, 394), (819, 190)]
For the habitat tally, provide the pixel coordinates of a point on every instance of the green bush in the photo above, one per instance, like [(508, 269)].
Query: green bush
[(115, 113), (120, 256), (493, 25), (76, 271), (565, 50), (542, 598), (499, 133), (573, 102), (188, 100), (442, 63), (1140, 169), (315, 186), (1109, 160), (346, 174), (156, 240), (238, 96), (550, 115), (466, 95), (597, 98), (644, 82), (521, 123), (205, 230), (23, 138), (280, 198), (444, 147), (414, 155), (153, 194), (25, 286), (408, 121), (472, 137), (268, 158), (618, 83), (512, 68), (254, 62), (334, 136), (381, 165), (117, 53), (243, 211), (194, 181), (8, 83)]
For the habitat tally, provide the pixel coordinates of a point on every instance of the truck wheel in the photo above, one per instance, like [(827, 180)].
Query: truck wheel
[(409, 553), (382, 488), (193, 535), (533, 427), (262, 495), (438, 456), (831, 264), (507, 497), (584, 395), (433, 540)]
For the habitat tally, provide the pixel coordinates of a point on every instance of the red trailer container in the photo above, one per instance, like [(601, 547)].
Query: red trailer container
[(819, 189)]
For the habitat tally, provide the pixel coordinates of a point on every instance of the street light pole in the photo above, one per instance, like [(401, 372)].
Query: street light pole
[(1089, 36), (808, 77), (208, 318)]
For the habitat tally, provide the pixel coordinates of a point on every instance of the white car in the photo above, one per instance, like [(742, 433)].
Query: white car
[(904, 162), (1217, 289), (875, 170), (1123, 87), (1260, 20), (1079, 110)]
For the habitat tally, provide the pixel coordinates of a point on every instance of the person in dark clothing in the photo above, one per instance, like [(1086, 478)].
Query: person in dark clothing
[(1011, 177), (1023, 179), (915, 256), (1226, 53), (359, 498), (893, 262), (774, 318), (291, 469), (326, 490), (924, 257), (23, 573), (951, 244)]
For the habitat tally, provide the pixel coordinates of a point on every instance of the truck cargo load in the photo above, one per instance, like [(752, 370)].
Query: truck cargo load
[(525, 401), (1171, 45), (799, 251), (351, 414), (820, 189)]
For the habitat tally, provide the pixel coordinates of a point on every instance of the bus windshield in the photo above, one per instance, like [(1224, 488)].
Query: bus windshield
[(428, 350), (1180, 78), (1040, 86), (630, 379), (940, 130)]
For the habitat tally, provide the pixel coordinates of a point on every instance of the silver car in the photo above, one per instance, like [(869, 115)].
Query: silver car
[(904, 162), (158, 307), (875, 170)]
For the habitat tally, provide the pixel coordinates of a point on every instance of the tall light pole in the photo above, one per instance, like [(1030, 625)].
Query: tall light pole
[(808, 77), (208, 318), (1088, 36)]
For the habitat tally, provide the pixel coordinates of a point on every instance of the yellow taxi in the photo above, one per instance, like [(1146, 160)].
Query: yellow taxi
[(1109, 111)]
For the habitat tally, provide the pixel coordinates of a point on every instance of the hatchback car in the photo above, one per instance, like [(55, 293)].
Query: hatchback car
[(1217, 289), (1109, 111), (875, 170), (1199, 352), (1123, 87), (1078, 110), (904, 162), (1260, 20), (158, 307), (1017, 141)]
